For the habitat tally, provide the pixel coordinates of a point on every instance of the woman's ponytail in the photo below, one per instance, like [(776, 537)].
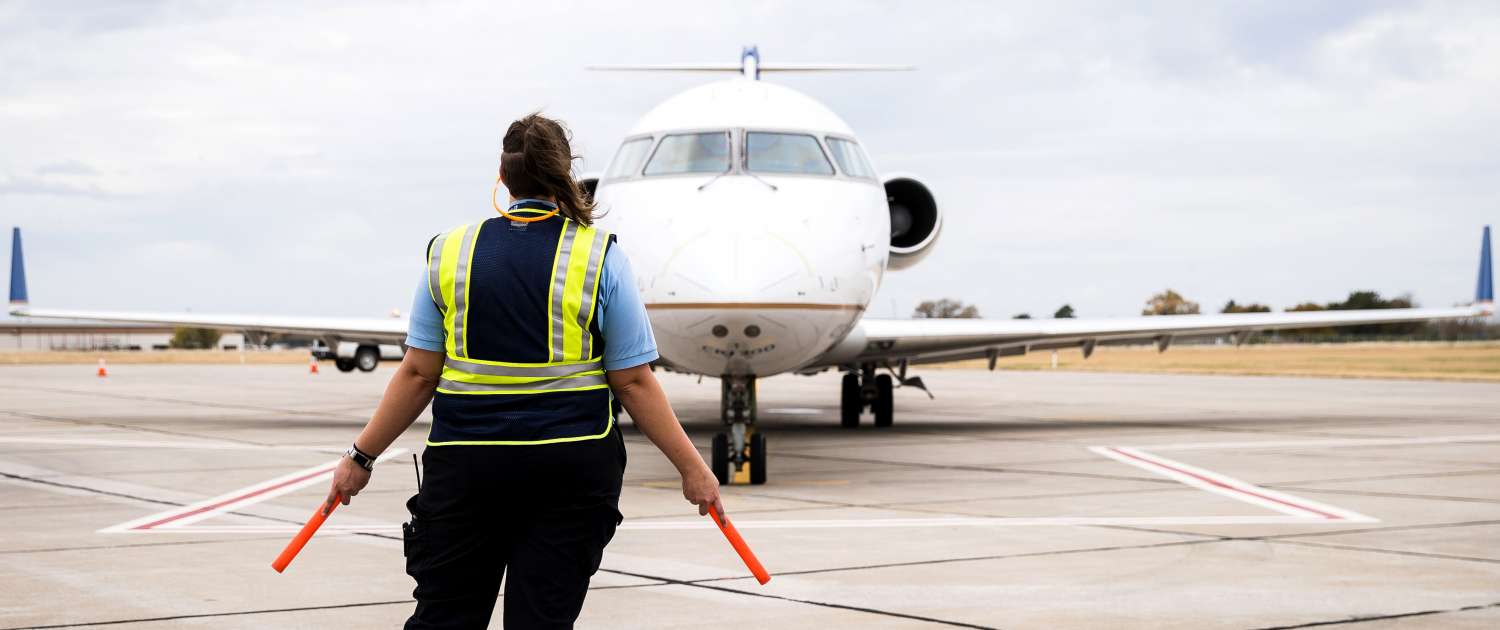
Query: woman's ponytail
[(537, 161)]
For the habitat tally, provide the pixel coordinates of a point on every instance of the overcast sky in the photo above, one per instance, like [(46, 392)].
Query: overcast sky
[(257, 157)]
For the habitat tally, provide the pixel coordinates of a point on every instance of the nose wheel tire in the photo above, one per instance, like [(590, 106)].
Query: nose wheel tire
[(884, 403), (851, 403), (757, 459), (754, 457), (719, 459), (344, 365)]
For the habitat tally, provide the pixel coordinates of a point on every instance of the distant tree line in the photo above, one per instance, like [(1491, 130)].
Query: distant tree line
[(950, 308), (1170, 302), (184, 338)]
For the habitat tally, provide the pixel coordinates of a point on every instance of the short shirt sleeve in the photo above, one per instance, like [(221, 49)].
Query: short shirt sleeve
[(424, 330), (628, 340)]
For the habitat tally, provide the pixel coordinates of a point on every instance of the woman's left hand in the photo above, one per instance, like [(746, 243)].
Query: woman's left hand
[(348, 479)]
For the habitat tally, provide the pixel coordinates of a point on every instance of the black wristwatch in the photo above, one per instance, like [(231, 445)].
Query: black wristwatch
[(360, 458)]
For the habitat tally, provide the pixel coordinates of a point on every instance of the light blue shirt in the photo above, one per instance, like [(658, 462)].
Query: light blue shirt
[(628, 341)]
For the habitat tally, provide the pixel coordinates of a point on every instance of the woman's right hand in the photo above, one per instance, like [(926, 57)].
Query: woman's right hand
[(348, 479), (701, 489)]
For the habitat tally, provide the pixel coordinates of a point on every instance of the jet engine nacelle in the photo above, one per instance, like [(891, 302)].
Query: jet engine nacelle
[(915, 220), (589, 183)]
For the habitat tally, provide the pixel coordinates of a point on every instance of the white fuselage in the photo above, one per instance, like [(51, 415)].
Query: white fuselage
[(748, 273)]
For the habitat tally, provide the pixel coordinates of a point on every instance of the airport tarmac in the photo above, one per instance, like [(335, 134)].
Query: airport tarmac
[(157, 498)]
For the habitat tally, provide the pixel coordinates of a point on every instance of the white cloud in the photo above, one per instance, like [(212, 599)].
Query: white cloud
[(1091, 152)]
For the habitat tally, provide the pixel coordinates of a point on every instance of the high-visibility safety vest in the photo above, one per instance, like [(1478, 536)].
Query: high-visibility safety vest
[(524, 362)]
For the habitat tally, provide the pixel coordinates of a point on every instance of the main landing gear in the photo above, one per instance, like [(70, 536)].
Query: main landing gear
[(864, 388), (739, 456)]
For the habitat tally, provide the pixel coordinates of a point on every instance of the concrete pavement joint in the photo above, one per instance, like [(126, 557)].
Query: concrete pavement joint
[(1032, 554), (265, 611), (874, 611), (1420, 613), (188, 403), (1398, 552), (1393, 495)]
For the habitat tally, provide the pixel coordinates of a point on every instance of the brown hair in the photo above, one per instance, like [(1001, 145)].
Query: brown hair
[(537, 161)]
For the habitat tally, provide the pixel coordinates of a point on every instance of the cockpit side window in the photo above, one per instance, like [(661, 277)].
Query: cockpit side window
[(628, 159), (769, 152), (850, 157), (706, 152)]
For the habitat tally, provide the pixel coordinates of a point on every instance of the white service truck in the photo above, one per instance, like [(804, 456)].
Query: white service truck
[(351, 355)]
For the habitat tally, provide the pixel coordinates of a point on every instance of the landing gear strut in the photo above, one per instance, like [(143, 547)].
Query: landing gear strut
[(864, 388), (739, 456)]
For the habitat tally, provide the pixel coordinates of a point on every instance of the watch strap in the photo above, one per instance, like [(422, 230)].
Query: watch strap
[(360, 458)]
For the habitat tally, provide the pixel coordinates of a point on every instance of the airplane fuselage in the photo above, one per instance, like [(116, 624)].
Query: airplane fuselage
[(749, 269)]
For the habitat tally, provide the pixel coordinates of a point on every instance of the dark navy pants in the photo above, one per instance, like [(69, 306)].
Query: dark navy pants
[(537, 516)]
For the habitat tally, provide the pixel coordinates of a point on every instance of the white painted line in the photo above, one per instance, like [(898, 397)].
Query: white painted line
[(1294, 510), (180, 517), (1230, 487), (1447, 439), (206, 446), (794, 411), (1004, 521), (855, 523)]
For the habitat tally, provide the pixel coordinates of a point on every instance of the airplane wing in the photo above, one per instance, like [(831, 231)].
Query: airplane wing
[(885, 341), (935, 340), (363, 330), (330, 329)]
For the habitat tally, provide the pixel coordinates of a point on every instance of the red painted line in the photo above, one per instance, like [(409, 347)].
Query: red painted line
[(236, 499), (1215, 482)]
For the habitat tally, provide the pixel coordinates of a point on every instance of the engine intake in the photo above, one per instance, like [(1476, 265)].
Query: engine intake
[(915, 220)]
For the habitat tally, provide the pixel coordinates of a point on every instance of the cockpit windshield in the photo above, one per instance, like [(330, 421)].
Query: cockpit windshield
[(691, 153), (628, 159), (767, 152), (850, 158)]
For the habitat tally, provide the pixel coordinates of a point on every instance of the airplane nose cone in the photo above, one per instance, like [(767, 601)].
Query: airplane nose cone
[(736, 264)]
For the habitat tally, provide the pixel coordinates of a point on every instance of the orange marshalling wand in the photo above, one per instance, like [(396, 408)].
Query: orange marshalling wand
[(740, 547), (298, 541)]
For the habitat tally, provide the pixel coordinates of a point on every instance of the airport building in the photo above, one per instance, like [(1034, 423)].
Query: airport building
[(27, 335)]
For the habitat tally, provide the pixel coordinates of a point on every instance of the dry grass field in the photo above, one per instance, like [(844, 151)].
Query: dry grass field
[(1468, 361), (215, 357)]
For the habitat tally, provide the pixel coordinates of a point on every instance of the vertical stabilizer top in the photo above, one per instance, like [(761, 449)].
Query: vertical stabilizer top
[(750, 63), (1484, 294), (17, 270), (751, 67)]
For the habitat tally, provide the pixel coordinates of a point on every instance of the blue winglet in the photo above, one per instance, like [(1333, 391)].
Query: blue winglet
[(18, 269), (1485, 292)]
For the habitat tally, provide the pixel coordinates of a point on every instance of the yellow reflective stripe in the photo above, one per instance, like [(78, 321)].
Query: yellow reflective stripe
[(461, 289), (495, 368), (578, 267), (460, 376), (447, 277), (434, 264), (461, 389), (591, 291), (555, 290), (607, 427)]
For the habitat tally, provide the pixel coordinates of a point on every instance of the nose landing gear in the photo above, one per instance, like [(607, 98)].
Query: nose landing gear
[(739, 456)]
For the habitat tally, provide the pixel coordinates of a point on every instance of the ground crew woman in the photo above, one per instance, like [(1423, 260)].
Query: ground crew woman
[(526, 329)]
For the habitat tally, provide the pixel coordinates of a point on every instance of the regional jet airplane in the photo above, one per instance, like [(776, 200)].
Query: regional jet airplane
[(759, 231)]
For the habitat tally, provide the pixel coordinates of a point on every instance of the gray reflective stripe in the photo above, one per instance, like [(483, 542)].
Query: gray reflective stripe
[(516, 370), (434, 268), (590, 278), (549, 384), (460, 286), (559, 286)]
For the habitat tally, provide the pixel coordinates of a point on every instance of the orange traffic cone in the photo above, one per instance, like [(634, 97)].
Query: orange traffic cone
[(312, 364), (102, 371)]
